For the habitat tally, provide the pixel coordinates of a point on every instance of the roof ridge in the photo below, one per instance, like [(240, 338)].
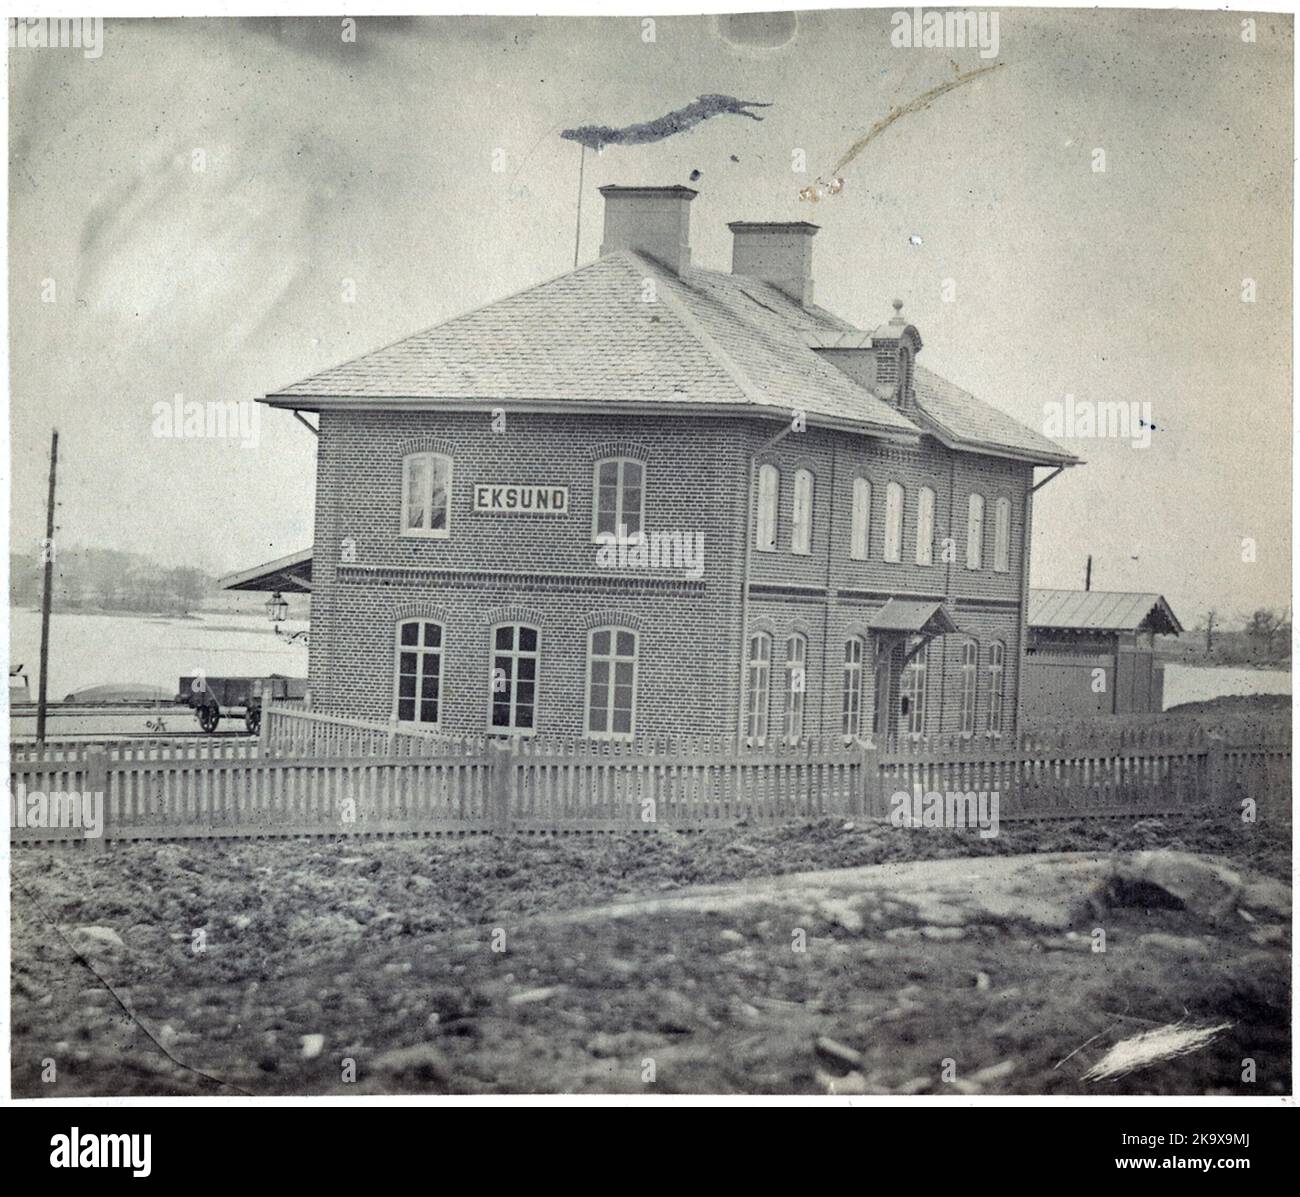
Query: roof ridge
[(687, 319)]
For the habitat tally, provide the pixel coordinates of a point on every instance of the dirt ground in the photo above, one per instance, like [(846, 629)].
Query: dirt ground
[(314, 966)]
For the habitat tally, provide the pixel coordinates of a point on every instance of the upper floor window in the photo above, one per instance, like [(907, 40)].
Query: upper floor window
[(852, 710), (801, 521), (915, 678), (796, 685), (514, 678), (860, 526), (619, 509), (426, 494), (894, 522), (997, 677), (975, 532), (611, 683), (1002, 535), (969, 664), (925, 526), (758, 687), (769, 496), (419, 671)]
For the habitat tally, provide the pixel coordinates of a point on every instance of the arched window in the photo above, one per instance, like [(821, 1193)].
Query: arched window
[(796, 685), (1002, 536), (997, 678), (801, 521), (418, 689), (915, 678), (426, 494), (970, 654), (617, 514), (769, 495), (851, 722), (758, 686), (611, 683), (925, 526), (894, 522), (975, 532), (514, 679), (860, 526)]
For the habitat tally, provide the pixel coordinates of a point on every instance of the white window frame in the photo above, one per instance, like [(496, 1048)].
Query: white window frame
[(975, 531), (620, 502), (997, 686), (860, 527), (516, 654), (758, 698), (895, 501), (925, 499), (421, 652), (1002, 536), (801, 523), (768, 508), (970, 663), (796, 659), (612, 659), (408, 463), (851, 690)]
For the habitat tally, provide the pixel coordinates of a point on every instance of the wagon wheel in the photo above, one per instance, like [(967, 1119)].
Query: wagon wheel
[(253, 720), (209, 717)]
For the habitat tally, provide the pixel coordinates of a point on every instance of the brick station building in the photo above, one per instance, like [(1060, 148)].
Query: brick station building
[(645, 498)]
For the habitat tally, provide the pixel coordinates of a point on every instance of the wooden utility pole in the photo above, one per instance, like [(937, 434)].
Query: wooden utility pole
[(47, 551), (1209, 632), (1087, 574)]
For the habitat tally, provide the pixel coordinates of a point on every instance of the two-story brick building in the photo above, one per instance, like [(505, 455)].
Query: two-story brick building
[(645, 497)]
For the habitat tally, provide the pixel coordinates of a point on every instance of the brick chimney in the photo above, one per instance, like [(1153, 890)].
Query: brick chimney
[(776, 253), (655, 221)]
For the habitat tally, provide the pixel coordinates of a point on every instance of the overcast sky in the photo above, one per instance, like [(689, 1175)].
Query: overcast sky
[(372, 161)]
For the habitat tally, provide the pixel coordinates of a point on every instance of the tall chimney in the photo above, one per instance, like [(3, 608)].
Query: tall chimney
[(775, 253), (655, 221)]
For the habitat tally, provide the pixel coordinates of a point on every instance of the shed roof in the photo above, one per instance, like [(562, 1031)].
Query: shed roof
[(291, 574), (1101, 611)]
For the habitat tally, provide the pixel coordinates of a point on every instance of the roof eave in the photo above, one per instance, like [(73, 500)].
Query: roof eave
[(950, 440)]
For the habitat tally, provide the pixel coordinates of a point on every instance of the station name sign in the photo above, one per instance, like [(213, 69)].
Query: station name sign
[(521, 500)]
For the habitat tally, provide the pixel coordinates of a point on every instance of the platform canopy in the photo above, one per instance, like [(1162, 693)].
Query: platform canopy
[(1101, 611), (286, 575)]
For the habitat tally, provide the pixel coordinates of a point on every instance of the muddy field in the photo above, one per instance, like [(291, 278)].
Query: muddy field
[(432, 966)]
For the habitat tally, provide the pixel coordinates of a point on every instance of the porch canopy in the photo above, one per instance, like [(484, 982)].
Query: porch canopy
[(913, 617), (285, 575)]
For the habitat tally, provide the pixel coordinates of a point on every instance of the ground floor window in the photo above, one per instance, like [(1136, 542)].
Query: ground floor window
[(514, 678), (852, 713), (914, 690), (796, 685), (969, 663), (758, 687), (997, 675), (611, 683), (419, 671)]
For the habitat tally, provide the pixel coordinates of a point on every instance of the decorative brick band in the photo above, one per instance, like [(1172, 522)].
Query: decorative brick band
[(618, 449), (609, 618), (561, 583)]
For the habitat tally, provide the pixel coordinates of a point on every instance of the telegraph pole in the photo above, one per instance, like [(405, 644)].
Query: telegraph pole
[(1087, 576), (47, 551)]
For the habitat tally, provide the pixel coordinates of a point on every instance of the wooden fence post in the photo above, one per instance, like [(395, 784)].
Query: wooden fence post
[(264, 728), (868, 796), (1217, 790), (501, 753), (96, 783)]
